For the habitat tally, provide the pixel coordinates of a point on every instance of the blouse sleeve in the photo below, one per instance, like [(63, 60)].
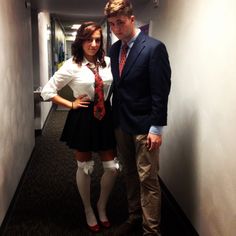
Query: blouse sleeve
[(61, 77)]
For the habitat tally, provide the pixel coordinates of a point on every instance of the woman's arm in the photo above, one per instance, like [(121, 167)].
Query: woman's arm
[(81, 101), (62, 101)]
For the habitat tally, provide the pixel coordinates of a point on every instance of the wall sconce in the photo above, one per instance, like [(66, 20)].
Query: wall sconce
[(27, 4), (156, 3)]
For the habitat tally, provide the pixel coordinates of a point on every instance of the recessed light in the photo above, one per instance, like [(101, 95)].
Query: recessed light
[(75, 26)]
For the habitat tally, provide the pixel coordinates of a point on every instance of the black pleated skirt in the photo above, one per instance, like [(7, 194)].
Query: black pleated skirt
[(83, 132)]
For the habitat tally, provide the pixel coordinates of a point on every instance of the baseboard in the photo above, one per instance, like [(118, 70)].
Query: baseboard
[(174, 210), (37, 132)]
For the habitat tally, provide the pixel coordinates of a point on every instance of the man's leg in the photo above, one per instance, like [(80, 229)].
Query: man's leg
[(148, 166), (126, 152)]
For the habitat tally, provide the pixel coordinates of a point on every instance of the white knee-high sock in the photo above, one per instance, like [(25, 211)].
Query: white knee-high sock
[(83, 180), (107, 182)]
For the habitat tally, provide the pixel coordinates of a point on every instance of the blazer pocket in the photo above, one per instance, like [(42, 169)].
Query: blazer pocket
[(140, 67), (140, 109)]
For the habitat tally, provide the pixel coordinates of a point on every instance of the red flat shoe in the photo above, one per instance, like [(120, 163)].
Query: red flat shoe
[(94, 228), (105, 224)]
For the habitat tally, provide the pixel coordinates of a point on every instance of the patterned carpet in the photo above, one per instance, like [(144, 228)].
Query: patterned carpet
[(47, 202)]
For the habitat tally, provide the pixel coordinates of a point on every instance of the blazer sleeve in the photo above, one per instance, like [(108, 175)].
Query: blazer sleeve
[(160, 83)]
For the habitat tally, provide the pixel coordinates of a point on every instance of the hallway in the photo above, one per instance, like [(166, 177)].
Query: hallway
[(198, 164), (47, 201)]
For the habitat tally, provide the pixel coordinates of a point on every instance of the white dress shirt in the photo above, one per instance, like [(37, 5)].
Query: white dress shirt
[(79, 78)]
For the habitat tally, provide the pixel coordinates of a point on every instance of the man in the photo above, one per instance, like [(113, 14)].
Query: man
[(141, 74)]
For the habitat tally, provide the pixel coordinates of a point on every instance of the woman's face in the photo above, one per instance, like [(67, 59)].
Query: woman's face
[(92, 45)]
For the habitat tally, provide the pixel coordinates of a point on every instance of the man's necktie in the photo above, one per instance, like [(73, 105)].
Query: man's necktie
[(99, 107), (124, 50)]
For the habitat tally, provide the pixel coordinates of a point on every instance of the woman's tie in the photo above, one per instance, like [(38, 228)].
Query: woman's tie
[(99, 107)]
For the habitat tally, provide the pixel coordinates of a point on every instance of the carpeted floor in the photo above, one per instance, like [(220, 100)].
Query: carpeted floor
[(47, 201)]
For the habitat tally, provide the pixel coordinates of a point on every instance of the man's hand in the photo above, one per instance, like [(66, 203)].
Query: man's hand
[(154, 141)]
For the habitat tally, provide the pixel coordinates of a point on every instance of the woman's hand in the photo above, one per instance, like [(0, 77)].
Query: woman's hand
[(82, 101)]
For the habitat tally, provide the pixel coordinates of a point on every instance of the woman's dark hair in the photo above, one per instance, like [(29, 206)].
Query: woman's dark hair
[(84, 33)]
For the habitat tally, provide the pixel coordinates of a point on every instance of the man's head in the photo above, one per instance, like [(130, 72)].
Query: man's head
[(120, 17), (118, 7)]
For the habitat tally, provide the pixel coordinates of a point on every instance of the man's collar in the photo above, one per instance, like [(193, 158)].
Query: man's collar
[(137, 32)]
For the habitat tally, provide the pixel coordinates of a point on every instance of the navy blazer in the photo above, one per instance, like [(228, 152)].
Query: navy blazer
[(140, 95)]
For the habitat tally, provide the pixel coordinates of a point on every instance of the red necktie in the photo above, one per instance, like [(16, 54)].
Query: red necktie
[(124, 50), (99, 107)]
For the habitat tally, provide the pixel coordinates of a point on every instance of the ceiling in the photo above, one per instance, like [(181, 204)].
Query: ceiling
[(69, 12)]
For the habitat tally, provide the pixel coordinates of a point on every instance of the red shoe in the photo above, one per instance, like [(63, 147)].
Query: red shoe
[(105, 224), (94, 228)]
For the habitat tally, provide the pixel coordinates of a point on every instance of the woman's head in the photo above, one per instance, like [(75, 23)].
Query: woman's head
[(88, 43)]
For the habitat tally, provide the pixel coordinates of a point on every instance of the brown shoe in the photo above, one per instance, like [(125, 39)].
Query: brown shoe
[(127, 228)]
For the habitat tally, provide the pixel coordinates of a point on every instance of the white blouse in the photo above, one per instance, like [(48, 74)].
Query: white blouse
[(79, 78)]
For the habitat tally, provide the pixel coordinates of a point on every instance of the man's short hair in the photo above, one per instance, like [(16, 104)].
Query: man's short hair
[(118, 7)]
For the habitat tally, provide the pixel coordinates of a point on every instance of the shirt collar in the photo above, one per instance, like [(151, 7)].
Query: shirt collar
[(131, 42), (85, 62)]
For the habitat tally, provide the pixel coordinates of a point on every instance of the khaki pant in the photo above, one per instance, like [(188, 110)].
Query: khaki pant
[(141, 176)]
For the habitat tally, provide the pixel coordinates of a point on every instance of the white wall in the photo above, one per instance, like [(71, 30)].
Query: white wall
[(68, 49), (198, 162), (16, 97), (44, 74)]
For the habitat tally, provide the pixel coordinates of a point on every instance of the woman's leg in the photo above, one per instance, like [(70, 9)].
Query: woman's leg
[(107, 181), (83, 179)]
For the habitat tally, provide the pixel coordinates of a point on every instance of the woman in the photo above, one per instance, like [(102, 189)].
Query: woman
[(88, 127)]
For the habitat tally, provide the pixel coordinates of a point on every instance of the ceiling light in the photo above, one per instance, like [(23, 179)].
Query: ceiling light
[(75, 26), (73, 34)]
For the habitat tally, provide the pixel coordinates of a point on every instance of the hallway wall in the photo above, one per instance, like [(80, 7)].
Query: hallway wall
[(44, 65), (198, 162), (16, 97)]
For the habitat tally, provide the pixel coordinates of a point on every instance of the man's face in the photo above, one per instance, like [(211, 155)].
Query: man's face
[(122, 26)]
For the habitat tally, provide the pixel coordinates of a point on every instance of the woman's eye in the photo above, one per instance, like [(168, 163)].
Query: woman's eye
[(92, 40)]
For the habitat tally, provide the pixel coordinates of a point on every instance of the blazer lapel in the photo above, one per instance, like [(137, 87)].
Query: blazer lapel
[(116, 61), (135, 51)]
